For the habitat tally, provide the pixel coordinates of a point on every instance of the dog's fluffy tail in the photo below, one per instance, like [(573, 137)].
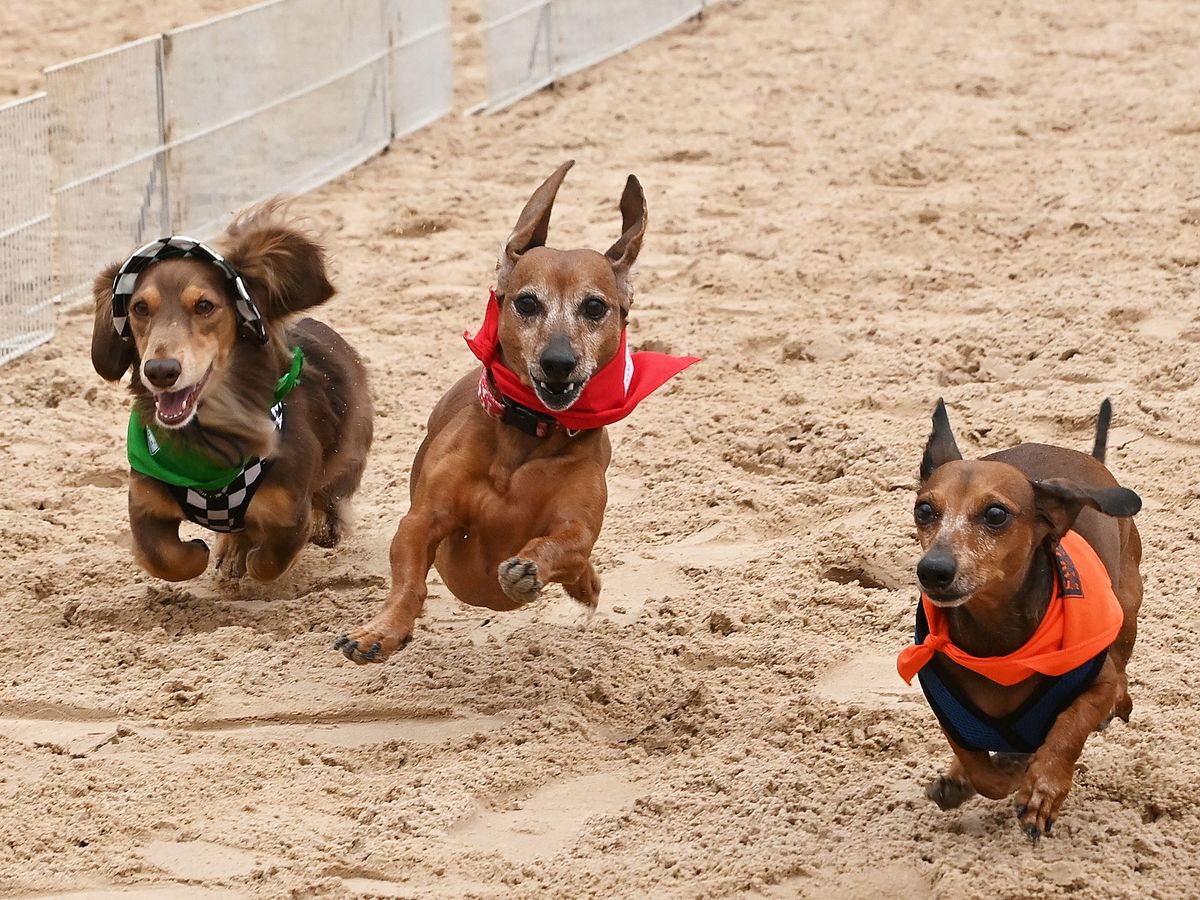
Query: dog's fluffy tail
[(1102, 422)]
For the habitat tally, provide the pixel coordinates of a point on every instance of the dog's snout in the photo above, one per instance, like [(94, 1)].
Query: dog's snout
[(558, 360), (162, 373), (936, 570)]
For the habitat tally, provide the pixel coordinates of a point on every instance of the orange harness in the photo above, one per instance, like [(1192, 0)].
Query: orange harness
[(1082, 620)]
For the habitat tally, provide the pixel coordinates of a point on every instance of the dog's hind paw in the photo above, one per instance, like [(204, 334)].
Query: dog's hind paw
[(231, 556), (949, 792), (519, 579)]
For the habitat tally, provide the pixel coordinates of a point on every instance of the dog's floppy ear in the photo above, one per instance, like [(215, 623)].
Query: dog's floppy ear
[(941, 447), (533, 225), (112, 354), (283, 268), (1059, 501), (624, 253)]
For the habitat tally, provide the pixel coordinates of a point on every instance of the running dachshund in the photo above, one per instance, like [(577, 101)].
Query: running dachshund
[(1030, 596), (508, 488), (246, 420)]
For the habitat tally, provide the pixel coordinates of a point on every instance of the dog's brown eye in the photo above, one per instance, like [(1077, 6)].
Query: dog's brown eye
[(995, 516), (204, 307), (526, 305), (595, 308), (141, 308), (924, 513)]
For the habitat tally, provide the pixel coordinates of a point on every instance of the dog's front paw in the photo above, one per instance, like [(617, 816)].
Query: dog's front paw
[(519, 579), (949, 792), (1042, 791), (374, 642)]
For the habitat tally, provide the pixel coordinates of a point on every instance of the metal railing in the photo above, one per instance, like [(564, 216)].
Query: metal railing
[(530, 44), (175, 132)]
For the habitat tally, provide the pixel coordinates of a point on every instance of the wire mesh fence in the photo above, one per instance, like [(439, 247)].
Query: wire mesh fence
[(26, 262), (530, 44), (107, 165), (176, 132)]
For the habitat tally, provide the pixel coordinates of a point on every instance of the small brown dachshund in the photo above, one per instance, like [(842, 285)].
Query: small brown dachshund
[(508, 488), (1030, 596), (245, 420)]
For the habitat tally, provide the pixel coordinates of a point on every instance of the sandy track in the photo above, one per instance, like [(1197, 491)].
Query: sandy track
[(855, 208)]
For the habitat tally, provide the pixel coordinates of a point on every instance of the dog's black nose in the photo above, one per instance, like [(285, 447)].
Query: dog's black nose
[(558, 359), (936, 570), (162, 373)]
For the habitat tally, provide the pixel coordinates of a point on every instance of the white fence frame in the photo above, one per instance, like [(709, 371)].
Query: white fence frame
[(26, 268), (144, 139), (542, 57)]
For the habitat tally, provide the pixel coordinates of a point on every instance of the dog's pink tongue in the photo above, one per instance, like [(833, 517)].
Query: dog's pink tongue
[(174, 404)]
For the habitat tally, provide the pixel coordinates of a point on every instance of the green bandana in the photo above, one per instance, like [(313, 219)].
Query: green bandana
[(187, 468)]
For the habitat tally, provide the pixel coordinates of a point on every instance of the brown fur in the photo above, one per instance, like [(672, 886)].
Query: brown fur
[(1001, 587), (500, 513), (317, 465)]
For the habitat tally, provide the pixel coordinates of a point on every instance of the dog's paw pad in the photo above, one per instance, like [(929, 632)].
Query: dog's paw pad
[(519, 579), (948, 792)]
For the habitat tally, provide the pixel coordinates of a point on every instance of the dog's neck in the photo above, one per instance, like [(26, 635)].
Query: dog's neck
[(999, 629)]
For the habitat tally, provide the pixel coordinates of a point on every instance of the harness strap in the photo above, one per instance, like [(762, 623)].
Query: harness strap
[(1021, 731)]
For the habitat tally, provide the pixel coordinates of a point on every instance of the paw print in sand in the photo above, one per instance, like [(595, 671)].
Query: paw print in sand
[(519, 579)]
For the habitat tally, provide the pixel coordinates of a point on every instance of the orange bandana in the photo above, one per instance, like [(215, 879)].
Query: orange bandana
[(1083, 618)]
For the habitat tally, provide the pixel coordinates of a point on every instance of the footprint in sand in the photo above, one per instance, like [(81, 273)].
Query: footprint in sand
[(549, 820), (869, 681)]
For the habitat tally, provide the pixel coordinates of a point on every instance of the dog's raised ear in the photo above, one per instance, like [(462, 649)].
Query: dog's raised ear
[(624, 253), (112, 355), (941, 447), (283, 268), (1059, 502), (533, 225)]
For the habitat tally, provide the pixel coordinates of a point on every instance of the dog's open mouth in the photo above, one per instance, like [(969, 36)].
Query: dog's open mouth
[(174, 409), (948, 599), (558, 395)]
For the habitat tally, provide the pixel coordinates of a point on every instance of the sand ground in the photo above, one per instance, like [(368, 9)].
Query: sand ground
[(855, 208)]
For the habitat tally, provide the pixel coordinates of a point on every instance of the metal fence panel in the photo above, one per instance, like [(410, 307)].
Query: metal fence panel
[(519, 48), (422, 69), (277, 98), (586, 32), (106, 130), (529, 43), (26, 269)]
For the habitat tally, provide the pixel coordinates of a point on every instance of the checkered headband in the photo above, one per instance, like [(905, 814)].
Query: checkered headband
[(178, 247)]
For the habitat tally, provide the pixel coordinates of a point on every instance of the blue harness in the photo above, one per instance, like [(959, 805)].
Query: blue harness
[(1025, 728)]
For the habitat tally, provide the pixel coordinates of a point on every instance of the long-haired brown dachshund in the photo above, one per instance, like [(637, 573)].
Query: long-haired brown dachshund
[(245, 420), (508, 489)]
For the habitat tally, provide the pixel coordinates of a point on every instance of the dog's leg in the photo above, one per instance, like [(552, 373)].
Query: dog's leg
[(275, 555), (1047, 781), (231, 555), (562, 557), (158, 549), (412, 552), (587, 589), (992, 775)]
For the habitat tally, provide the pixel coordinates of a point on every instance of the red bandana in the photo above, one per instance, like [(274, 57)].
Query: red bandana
[(1083, 618), (609, 396)]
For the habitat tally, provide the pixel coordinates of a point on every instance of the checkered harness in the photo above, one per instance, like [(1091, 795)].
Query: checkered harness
[(223, 510)]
